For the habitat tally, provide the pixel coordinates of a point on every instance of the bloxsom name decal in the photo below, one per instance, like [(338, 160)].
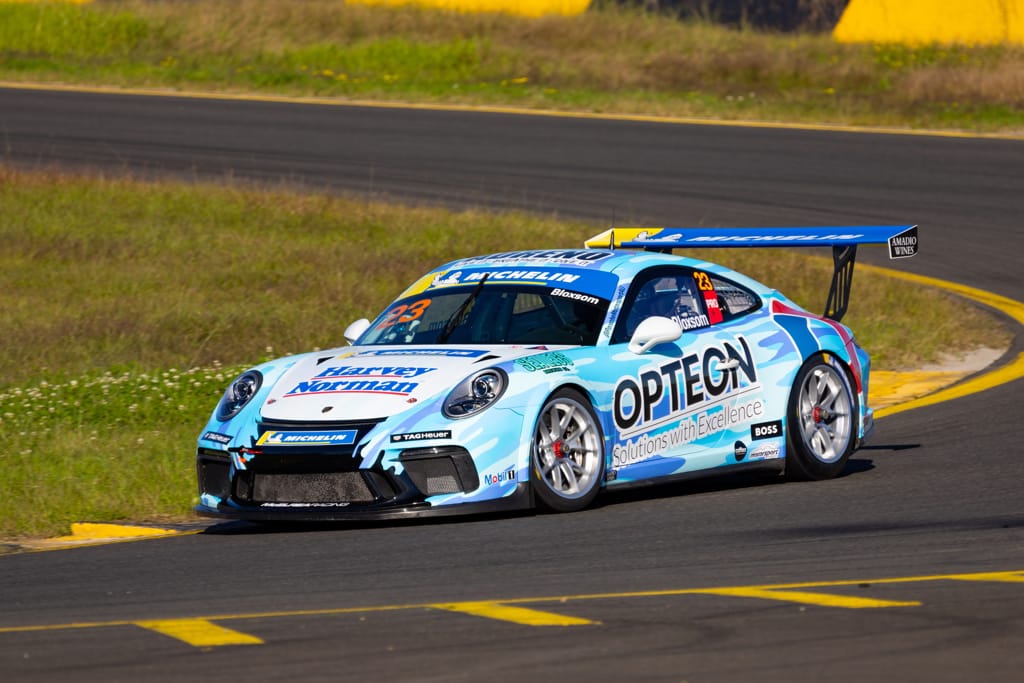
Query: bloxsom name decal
[(578, 296)]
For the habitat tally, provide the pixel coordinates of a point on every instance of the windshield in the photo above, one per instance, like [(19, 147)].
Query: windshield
[(491, 314)]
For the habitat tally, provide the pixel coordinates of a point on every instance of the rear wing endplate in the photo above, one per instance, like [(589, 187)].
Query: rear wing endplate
[(901, 240)]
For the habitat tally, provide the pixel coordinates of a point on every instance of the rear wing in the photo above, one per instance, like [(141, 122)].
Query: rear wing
[(901, 240)]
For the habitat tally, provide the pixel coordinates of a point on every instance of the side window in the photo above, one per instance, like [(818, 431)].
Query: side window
[(692, 298), (665, 291), (725, 300)]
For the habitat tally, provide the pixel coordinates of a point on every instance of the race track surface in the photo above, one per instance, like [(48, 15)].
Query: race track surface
[(908, 567)]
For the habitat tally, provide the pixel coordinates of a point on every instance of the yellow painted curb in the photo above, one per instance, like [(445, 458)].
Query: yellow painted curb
[(88, 531), (890, 387), (526, 8), (1003, 374)]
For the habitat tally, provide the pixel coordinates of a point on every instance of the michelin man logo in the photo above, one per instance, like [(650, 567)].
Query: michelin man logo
[(441, 281)]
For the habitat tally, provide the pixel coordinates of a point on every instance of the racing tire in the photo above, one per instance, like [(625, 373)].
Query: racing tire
[(822, 417), (566, 453)]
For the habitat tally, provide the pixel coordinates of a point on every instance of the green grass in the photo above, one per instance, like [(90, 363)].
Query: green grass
[(127, 306), (606, 61)]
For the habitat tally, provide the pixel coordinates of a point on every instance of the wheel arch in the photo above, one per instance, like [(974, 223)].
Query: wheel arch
[(604, 419)]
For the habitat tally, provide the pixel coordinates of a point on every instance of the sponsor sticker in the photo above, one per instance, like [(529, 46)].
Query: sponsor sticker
[(421, 436), (576, 296), (501, 477), (665, 393), (766, 430), (345, 379), (904, 244), (575, 257), (692, 322), (740, 450), (451, 353), (304, 505), (546, 362), (217, 437), (690, 428), (768, 451), (769, 237), (344, 437), (459, 277)]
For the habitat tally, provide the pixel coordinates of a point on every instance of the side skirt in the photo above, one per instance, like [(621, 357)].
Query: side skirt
[(774, 465)]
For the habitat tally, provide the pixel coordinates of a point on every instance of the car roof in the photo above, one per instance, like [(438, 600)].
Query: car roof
[(598, 272), (617, 261)]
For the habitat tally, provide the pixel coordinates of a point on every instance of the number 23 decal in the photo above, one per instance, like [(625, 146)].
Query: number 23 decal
[(405, 313), (703, 281)]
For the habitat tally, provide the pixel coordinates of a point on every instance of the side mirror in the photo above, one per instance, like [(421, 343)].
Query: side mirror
[(653, 331), (355, 330)]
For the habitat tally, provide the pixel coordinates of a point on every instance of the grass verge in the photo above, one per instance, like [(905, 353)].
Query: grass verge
[(127, 306), (607, 61)]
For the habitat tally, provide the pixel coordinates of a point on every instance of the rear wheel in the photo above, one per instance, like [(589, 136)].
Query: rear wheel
[(566, 458), (822, 420)]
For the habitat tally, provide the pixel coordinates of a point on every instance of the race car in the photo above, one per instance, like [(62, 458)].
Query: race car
[(538, 378)]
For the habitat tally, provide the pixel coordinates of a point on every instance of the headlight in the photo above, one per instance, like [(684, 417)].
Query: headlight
[(238, 394), (475, 393)]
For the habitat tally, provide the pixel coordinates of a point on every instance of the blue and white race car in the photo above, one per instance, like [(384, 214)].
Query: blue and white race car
[(536, 378)]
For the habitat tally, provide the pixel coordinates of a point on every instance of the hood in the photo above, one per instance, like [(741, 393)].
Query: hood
[(372, 382)]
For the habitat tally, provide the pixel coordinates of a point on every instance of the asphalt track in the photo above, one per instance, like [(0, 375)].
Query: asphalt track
[(908, 567)]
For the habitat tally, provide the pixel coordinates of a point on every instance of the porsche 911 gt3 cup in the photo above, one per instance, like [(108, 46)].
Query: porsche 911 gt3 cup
[(538, 378)]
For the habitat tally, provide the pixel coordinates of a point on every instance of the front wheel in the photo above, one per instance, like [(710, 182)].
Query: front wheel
[(822, 420), (566, 455)]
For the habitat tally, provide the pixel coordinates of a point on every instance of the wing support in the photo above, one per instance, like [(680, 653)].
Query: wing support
[(838, 301)]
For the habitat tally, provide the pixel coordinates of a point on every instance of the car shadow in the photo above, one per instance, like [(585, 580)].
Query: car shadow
[(608, 498)]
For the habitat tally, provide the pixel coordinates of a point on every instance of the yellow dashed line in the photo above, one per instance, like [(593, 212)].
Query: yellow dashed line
[(1001, 577), (199, 632), (821, 599), (517, 615)]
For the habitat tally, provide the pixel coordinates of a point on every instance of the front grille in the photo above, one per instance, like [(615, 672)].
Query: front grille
[(320, 487)]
